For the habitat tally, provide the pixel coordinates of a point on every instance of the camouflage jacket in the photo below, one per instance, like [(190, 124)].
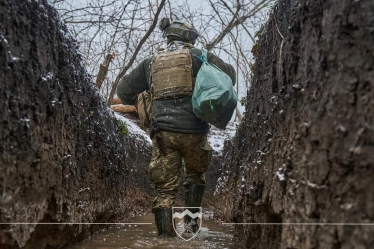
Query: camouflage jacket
[(173, 115)]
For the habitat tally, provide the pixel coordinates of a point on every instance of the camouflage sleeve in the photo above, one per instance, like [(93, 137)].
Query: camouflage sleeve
[(134, 83)]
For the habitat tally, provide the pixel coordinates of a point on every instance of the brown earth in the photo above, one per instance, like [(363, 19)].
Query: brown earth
[(305, 149), (303, 153), (63, 157)]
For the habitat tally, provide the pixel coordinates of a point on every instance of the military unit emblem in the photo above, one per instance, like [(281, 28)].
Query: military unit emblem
[(187, 223)]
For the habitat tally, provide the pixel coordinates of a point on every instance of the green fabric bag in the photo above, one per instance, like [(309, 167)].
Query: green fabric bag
[(214, 98)]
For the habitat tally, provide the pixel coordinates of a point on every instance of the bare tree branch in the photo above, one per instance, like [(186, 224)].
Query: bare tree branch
[(236, 15), (129, 64), (103, 70), (235, 21), (104, 27)]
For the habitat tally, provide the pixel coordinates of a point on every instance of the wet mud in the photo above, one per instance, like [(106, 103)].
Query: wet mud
[(212, 235)]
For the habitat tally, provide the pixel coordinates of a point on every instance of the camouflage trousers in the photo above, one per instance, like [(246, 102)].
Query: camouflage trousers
[(164, 171)]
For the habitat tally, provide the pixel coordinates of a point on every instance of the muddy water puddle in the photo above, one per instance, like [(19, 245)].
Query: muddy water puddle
[(211, 236)]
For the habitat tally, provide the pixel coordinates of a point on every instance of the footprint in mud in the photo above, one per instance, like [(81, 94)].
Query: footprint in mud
[(211, 236)]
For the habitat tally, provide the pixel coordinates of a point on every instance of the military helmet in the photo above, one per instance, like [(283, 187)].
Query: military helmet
[(178, 30)]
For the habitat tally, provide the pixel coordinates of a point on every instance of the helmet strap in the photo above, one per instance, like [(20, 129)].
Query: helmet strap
[(176, 45)]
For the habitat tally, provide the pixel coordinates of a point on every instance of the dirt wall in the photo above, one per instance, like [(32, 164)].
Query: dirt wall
[(304, 152), (63, 157)]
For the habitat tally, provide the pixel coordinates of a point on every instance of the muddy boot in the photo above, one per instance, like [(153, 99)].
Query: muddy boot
[(164, 222), (193, 197)]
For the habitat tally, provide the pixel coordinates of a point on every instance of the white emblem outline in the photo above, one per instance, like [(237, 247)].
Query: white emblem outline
[(184, 213)]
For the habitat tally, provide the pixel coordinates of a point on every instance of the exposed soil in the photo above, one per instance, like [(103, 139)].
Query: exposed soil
[(63, 157), (304, 152)]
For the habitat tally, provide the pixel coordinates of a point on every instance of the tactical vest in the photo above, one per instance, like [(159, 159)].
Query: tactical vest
[(172, 75)]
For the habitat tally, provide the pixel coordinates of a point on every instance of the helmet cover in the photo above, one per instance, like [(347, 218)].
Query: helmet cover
[(179, 30)]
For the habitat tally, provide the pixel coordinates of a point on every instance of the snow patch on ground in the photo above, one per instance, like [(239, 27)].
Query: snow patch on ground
[(216, 137), (133, 128)]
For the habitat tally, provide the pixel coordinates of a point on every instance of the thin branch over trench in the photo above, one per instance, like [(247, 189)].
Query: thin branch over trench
[(145, 37)]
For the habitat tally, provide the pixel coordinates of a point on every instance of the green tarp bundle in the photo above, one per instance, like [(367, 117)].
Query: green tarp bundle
[(214, 98)]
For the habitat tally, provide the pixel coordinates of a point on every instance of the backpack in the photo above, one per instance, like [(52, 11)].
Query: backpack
[(144, 107), (214, 98)]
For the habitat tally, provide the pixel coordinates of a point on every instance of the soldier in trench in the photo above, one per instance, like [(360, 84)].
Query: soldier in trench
[(175, 131)]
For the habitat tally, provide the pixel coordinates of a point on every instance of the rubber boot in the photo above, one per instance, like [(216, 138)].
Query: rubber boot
[(193, 198), (164, 222)]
